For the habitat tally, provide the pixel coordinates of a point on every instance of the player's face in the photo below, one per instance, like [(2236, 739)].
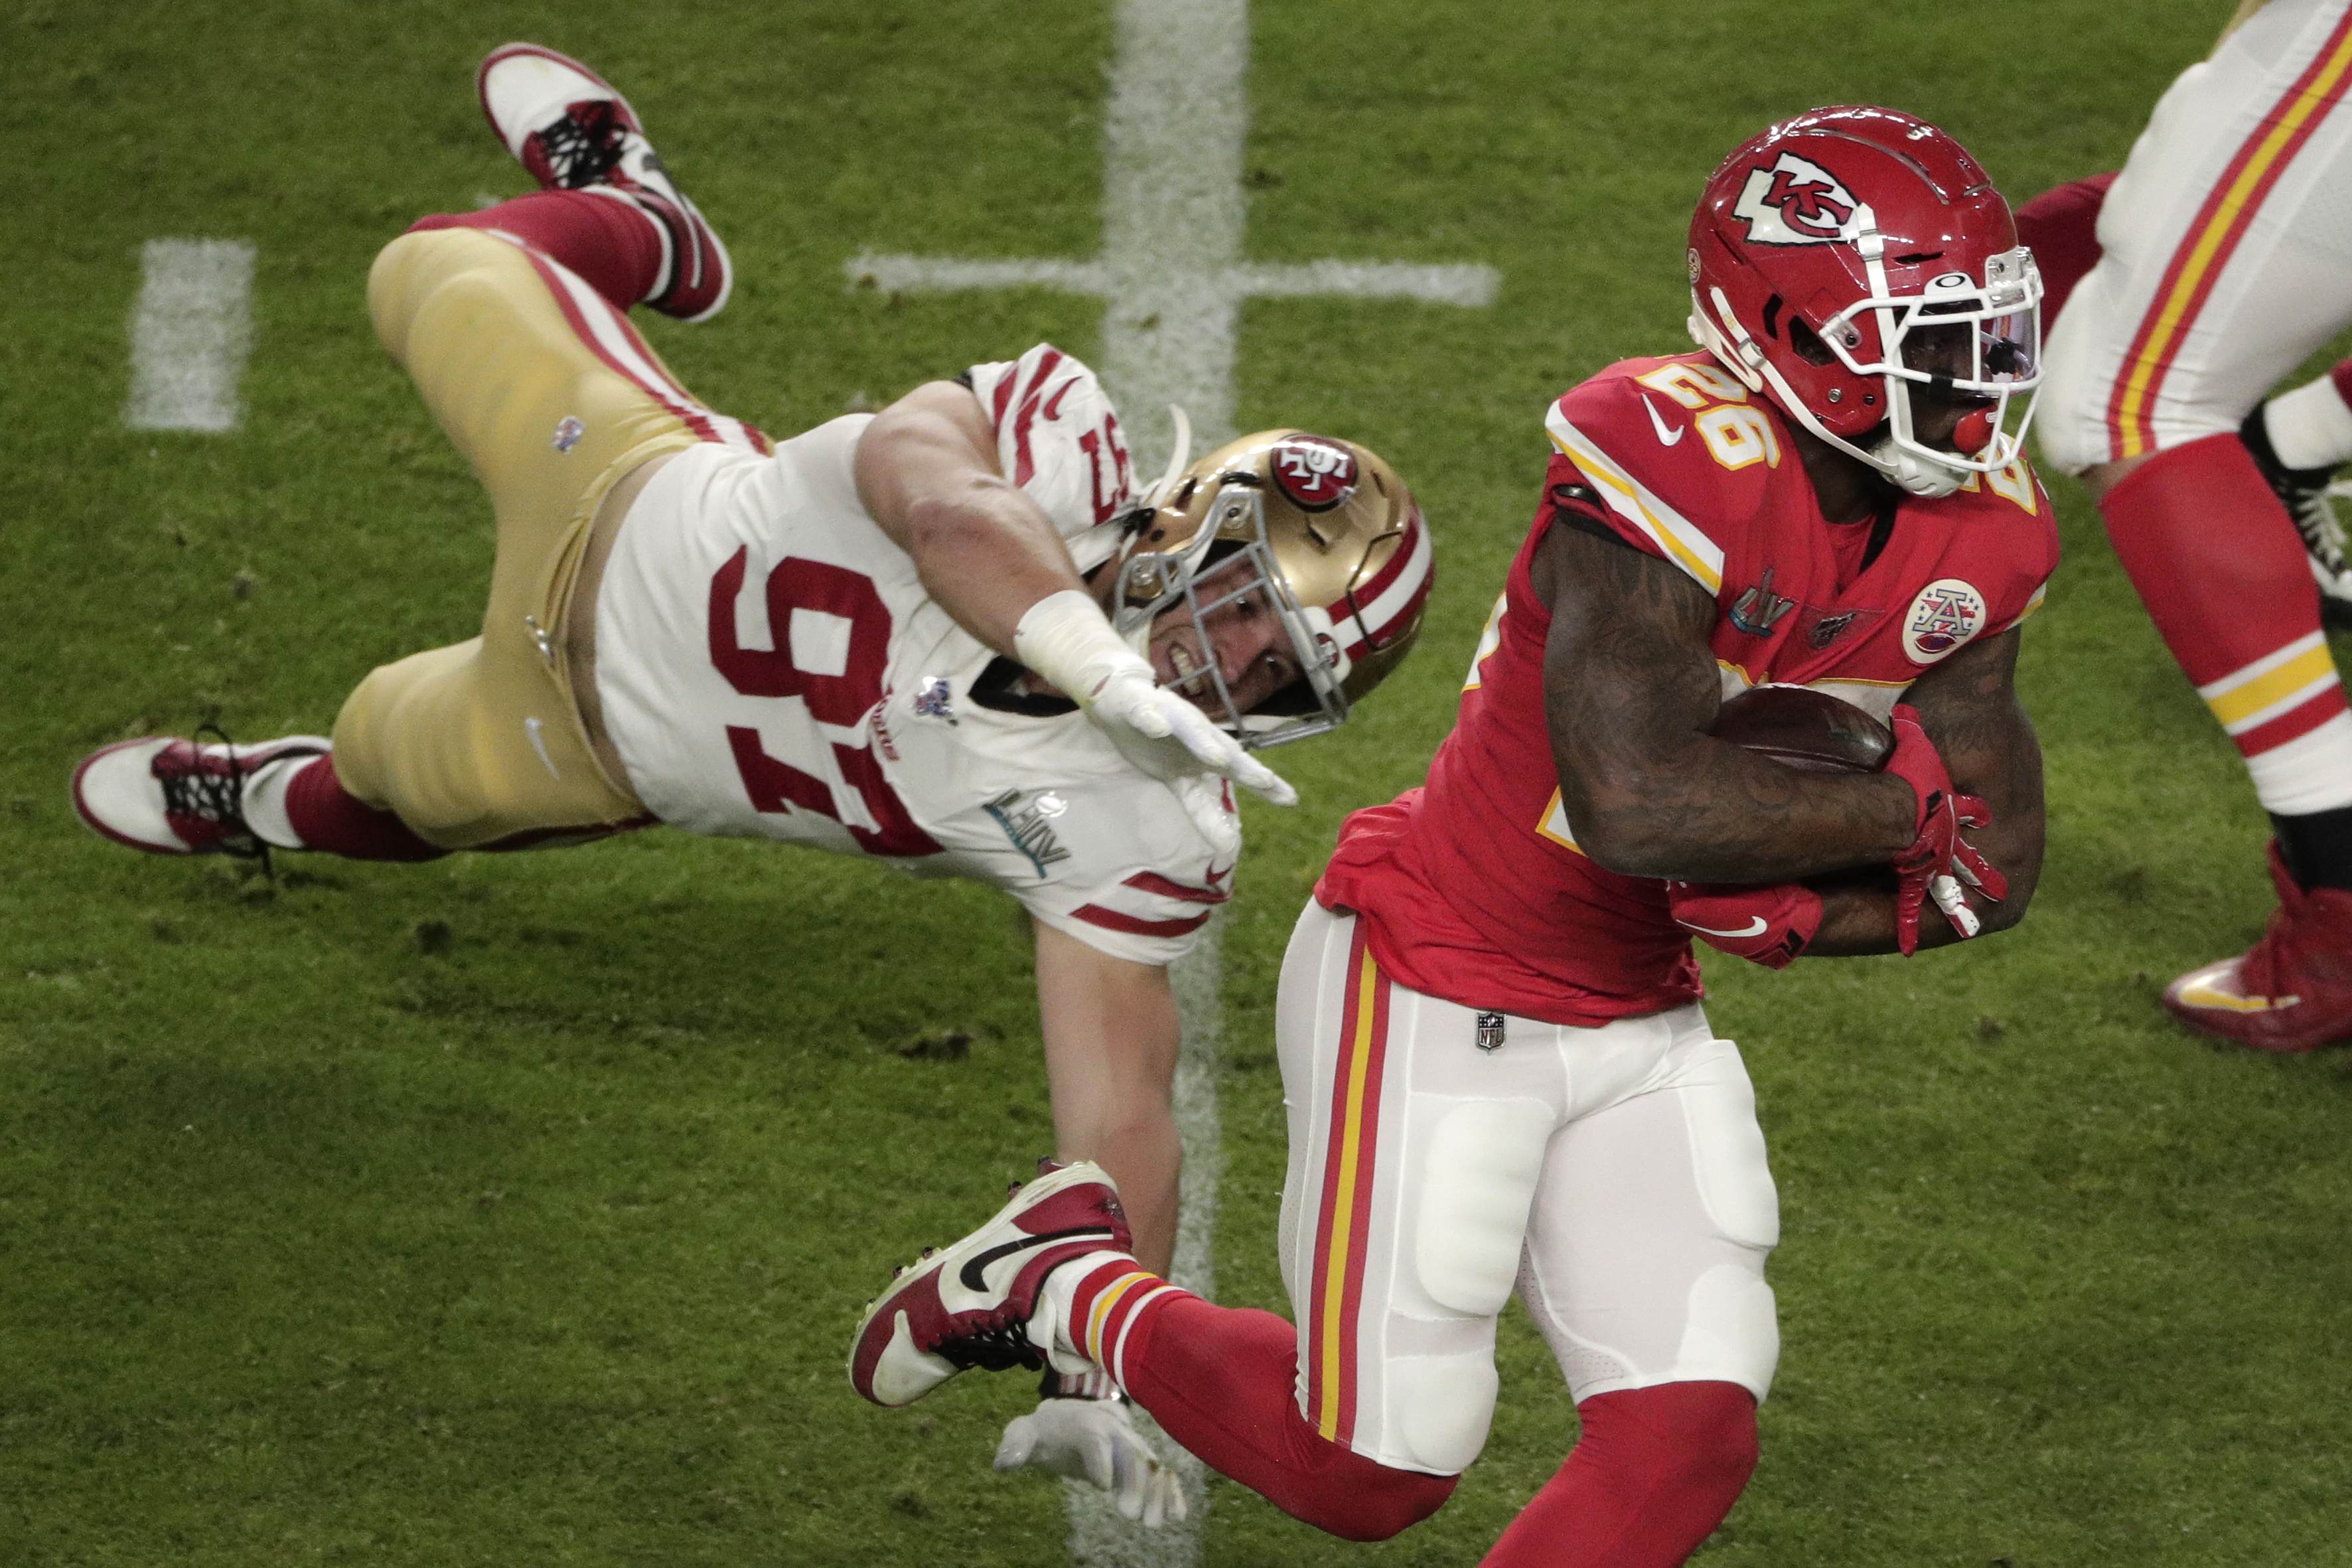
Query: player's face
[(1938, 410), (1251, 648)]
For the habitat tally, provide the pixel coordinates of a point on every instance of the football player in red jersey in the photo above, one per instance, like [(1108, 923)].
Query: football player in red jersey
[(2208, 268), (1497, 1072), (953, 636)]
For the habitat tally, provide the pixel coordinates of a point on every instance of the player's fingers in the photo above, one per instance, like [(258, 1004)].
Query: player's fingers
[(1955, 905), (1908, 899), (1020, 1441), (1266, 784), (1981, 874), (1102, 1459), (1134, 1473), (1225, 757)]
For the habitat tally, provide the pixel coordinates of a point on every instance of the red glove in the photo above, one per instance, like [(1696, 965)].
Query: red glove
[(1768, 925), (1938, 854)]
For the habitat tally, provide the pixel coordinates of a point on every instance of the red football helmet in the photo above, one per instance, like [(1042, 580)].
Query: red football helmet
[(1848, 256)]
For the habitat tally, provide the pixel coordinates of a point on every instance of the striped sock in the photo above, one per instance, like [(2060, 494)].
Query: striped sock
[(2222, 571), (1108, 1294)]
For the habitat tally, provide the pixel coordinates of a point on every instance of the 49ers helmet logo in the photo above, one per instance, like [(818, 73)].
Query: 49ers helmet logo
[(1796, 201), (1314, 472)]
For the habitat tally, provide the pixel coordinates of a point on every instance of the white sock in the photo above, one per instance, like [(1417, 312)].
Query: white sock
[(2310, 427), (264, 801), (2310, 773)]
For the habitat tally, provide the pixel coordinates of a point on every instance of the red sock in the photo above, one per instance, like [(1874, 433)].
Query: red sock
[(1221, 1381), (2221, 570), (2061, 227), (329, 818), (616, 249), (1654, 1474)]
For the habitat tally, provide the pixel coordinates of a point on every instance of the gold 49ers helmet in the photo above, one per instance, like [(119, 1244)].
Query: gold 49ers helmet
[(1325, 528)]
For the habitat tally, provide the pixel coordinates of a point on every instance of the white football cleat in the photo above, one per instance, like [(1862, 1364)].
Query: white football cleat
[(174, 797), (970, 1304), (574, 131)]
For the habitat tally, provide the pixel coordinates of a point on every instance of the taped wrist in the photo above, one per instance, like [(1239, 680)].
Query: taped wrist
[(1066, 639)]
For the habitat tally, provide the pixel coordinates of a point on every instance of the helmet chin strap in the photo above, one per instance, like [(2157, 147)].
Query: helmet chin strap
[(1913, 470)]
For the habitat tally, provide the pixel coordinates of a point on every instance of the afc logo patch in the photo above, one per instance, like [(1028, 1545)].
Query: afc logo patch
[(1796, 201), (1313, 471), (1946, 613)]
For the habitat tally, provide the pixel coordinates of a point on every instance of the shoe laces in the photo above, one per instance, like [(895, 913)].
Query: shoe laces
[(584, 146), (217, 798), (1002, 1344)]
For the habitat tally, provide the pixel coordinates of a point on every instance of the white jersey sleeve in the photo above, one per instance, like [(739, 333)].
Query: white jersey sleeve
[(1057, 438), (1122, 867)]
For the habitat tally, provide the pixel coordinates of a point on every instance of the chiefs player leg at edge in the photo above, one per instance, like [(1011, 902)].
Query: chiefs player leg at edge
[(2216, 503)]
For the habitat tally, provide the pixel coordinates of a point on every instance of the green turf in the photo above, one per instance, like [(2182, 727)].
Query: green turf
[(515, 1210)]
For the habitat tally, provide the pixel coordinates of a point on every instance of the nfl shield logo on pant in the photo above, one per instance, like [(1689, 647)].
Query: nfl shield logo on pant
[(1490, 1031)]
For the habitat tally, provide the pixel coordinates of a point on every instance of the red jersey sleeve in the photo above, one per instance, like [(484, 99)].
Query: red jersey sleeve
[(1676, 453)]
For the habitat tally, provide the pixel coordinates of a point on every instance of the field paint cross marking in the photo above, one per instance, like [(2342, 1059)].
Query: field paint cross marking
[(190, 334), (1172, 280), (1171, 275)]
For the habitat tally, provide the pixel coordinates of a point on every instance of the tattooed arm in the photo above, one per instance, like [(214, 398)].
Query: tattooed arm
[(1631, 688), (1968, 706)]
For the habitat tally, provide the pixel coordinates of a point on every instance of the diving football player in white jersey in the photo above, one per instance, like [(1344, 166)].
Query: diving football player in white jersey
[(953, 636)]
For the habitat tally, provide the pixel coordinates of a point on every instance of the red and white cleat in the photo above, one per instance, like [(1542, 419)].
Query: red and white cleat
[(2293, 989), (173, 797), (574, 131), (970, 1304)]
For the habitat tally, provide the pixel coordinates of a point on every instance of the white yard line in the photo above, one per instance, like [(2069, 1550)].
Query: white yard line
[(190, 335), (1173, 281)]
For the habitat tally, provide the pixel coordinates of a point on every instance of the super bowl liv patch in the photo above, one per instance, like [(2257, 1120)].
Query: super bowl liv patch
[(1024, 821)]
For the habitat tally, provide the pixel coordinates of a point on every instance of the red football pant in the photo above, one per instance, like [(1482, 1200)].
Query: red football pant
[(1654, 1474), (614, 247), (2222, 571), (1219, 1380)]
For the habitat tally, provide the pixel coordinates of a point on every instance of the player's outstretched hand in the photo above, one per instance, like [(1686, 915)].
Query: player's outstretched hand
[(1128, 699), (1093, 1440), (1764, 925), (1065, 638), (1938, 859)]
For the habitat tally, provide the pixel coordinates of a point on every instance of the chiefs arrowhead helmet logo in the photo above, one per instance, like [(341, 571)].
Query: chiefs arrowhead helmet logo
[(1797, 201), (1314, 472)]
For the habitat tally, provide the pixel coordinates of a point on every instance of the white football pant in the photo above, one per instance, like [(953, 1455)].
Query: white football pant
[(1615, 1177)]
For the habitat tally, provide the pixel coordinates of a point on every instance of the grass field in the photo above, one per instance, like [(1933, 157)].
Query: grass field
[(515, 1210)]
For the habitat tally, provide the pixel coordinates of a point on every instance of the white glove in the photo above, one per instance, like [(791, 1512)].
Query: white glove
[(1065, 638), (1093, 1440)]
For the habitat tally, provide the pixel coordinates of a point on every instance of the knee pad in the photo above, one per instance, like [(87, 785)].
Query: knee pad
[(1732, 1328), (1442, 1407)]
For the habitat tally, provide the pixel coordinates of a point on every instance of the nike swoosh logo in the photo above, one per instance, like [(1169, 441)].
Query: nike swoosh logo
[(1757, 928), (974, 1271), (1665, 437)]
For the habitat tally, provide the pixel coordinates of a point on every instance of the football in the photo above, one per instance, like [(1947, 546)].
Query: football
[(1805, 729)]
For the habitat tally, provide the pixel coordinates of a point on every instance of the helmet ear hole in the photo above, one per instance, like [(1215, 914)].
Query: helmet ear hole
[(1808, 343)]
